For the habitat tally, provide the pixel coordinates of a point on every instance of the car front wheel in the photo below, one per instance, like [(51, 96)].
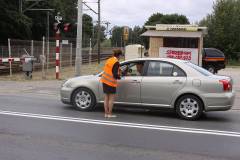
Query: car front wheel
[(83, 99), (189, 107)]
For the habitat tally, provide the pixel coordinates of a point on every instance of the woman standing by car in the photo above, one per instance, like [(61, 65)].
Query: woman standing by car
[(111, 73)]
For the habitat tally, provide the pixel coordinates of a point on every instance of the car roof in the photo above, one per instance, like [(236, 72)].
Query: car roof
[(181, 63), (156, 59)]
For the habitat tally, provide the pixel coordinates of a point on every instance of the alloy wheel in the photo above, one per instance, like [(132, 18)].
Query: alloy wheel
[(189, 107), (83, 99)]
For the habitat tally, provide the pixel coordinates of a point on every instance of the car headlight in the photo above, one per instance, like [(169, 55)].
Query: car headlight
[(67, 84)]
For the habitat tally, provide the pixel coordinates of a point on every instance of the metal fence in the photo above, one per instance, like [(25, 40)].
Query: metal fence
[(45, 55)]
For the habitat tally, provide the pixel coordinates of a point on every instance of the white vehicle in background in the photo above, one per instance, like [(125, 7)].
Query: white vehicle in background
[(134, 51)]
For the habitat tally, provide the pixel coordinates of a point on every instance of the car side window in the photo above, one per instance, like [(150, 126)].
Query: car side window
[(214, 53), (179, 71), (133, 69), (156, 68)]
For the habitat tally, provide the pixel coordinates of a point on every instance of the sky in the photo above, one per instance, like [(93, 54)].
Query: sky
[(136, 12)]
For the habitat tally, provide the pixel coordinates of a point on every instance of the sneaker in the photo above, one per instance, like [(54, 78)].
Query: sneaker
[(105, 115), (112, 116)]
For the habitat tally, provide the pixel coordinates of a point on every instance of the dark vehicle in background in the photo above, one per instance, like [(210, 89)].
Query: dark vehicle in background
[(213, 59)]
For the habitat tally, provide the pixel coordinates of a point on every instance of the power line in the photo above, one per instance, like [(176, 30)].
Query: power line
[(99, 26), (85, 3)]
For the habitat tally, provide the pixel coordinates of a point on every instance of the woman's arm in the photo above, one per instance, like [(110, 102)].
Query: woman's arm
[(115, 70)]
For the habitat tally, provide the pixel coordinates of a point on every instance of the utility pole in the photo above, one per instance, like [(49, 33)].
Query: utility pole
[(20, 6), (47, 40), (99, 31), (43, 61), (78, 60)]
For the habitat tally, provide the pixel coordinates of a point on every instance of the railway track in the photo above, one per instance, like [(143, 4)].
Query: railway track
[(17, 66)]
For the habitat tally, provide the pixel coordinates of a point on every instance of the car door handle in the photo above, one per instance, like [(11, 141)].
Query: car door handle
[(135, 81), (177, 82)]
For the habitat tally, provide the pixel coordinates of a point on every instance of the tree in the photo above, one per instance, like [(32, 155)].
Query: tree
[(13, 24), (135, 35), (133, 38), (158, 18), (87, 29), (67, 10), (223, 27), (95, 35), (117, 36), (33, 24)]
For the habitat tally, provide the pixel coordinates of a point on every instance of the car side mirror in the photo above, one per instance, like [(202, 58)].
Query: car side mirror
[(175, 74), (130, 70)]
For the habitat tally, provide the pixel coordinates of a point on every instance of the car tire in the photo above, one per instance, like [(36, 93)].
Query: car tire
[(189, 107), (211, 69), (83, 99)]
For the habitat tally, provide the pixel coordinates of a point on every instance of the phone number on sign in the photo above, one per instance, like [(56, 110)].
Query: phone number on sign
[(184, 55)]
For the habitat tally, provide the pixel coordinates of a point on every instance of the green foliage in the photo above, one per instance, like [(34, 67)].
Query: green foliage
[(158, 18), (33, 24), (223, 27), (133, 38), (117, 36), (233, 62), (13, 24), (87, 25), (106, 43), (95, 35), (134, 34), (67, 10)]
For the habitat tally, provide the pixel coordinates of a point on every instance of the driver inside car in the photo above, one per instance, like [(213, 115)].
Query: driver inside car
[(139, 69), (133, 70)]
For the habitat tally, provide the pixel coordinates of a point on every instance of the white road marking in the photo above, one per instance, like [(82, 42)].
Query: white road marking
[(124, 124)]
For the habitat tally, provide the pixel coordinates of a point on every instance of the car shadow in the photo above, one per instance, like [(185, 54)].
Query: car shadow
[(160, 113), (215, 117)]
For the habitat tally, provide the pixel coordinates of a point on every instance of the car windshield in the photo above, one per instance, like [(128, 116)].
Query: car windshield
[(199, 69)]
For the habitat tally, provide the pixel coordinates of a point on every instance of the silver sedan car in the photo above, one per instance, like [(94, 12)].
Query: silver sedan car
[(158, 83)]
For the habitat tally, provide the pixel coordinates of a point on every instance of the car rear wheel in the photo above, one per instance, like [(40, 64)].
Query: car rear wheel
[(83, 99), (211, 69), (189, 107)]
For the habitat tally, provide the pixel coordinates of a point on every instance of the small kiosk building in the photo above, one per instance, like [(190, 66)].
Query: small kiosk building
[(176, 41)]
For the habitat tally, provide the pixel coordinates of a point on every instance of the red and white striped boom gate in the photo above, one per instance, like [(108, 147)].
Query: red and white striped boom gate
[(57, 54)]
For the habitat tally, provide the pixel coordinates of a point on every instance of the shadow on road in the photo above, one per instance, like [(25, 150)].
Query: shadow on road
[(134, 112)]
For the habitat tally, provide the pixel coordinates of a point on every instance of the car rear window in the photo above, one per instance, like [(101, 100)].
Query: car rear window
[(199, 69), (213, 53)]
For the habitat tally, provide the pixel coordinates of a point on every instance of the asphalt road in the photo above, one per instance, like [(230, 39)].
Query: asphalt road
[(37, 126)]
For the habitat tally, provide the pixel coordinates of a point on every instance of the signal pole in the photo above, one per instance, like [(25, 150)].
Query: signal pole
[(58, 18)]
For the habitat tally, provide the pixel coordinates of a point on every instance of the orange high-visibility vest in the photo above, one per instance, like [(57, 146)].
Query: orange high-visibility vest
[(107, 76)]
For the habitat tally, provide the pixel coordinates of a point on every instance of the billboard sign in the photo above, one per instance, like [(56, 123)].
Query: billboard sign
[(188, 54)]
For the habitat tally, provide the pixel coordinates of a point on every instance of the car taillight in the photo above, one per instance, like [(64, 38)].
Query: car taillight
[(227, 86)]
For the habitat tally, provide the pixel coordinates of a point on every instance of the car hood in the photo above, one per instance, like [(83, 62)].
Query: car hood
[(88, 77)]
